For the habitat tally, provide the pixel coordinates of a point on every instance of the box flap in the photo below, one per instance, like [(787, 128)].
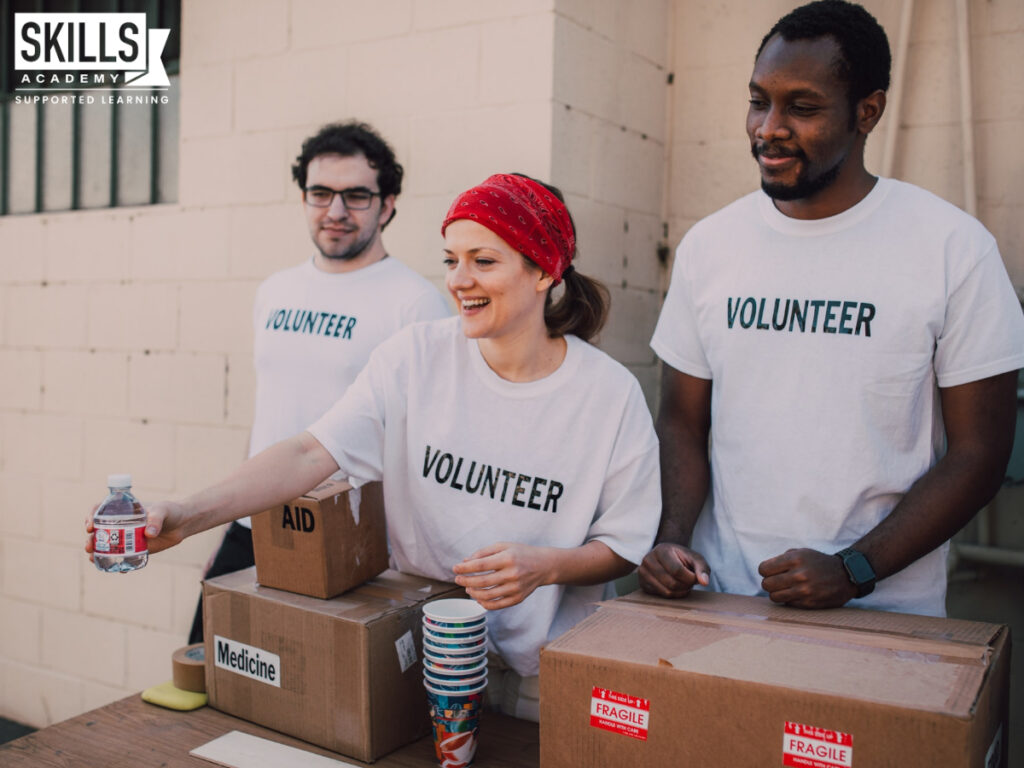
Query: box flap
[(856, 619), (860, 657), (389, 592), (326, 489)]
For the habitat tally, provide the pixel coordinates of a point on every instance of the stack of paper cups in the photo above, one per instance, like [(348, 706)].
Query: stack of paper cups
[(455, 676)]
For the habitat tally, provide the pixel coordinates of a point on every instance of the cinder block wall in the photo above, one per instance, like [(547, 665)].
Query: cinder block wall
[(609, 127), (124, 334), (125, 341)]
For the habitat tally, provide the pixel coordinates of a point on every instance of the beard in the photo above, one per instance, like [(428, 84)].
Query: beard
[(353, 251), (805, 185)]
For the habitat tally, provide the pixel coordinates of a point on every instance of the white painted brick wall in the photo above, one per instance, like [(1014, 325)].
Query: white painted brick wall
[(362, 21), (20, 640), (169, 244), (207, 111), (119, 445), (18, 499), (41, 445), (22, 257), (571, 91), (124, 316), (216, 316), (71, 257), (22, 387), (46, 316), (268, 238), (85, 382), (177, 387)]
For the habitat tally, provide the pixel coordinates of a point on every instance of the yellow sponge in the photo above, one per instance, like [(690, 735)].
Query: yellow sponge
[(166, 695)]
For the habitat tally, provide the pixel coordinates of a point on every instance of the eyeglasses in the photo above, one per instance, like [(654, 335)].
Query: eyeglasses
[(354, 198)]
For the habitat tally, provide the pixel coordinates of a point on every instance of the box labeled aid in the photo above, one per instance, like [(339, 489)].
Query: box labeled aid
[(344, 674), (717, 679), (323, 543)]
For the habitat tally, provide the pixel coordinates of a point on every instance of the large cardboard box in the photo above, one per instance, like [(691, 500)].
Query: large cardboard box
[(323, 543), (726, 681), (344, 674)]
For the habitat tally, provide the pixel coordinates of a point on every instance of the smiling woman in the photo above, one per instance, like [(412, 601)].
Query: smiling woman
[(508, 243), (517, 459)]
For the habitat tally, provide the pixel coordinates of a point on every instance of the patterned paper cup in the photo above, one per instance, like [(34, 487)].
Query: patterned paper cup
[(455, 612), (456, 723), (448, 669), (445, 639), (446, 659), (456, 684), (470, 629), (476, 690), (453, 650)]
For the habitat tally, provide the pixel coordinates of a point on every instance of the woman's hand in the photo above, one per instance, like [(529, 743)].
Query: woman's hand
[(506, 573), (165, 526)]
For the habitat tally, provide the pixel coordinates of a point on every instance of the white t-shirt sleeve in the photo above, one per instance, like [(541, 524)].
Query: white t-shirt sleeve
[(676, 339), (429, 305), (352, 430), (629, 508), (983, 334)]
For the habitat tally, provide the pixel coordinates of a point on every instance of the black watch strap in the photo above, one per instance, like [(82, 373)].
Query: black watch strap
[(858, 569)]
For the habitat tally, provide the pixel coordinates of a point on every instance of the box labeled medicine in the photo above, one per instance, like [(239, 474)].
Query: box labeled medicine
[(344, 674)]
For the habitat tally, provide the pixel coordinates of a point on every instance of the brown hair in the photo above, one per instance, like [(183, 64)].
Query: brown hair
[(582, 307)]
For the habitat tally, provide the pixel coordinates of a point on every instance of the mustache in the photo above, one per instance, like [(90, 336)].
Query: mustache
[(770, 150)]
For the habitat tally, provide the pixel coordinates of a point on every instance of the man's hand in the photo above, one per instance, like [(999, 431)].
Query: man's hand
[(672, 570), (164, 526), (505, 573), (806, 578)]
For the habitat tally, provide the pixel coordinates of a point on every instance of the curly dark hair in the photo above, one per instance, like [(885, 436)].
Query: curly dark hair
[(864, 57), (348, 139)]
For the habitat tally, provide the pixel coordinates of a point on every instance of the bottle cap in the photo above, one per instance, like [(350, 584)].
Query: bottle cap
[(119, 481)]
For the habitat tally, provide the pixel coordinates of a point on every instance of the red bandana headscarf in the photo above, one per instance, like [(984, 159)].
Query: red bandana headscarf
[(525, 215)]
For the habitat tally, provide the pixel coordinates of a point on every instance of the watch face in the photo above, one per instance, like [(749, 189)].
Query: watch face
[(858, 567), (859, 570)]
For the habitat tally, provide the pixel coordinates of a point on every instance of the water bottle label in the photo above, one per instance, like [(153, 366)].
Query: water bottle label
[(121, 541)]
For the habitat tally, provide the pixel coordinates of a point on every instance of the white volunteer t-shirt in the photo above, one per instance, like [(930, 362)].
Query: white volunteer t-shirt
[(826, 341), (314, 332), (469, 459)]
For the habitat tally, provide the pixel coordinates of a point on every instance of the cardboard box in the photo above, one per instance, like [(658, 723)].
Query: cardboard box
[(344, 674), (323, 543), (722, 680)]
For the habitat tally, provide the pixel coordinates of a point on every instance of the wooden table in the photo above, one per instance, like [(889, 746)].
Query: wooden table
[(130, 733)]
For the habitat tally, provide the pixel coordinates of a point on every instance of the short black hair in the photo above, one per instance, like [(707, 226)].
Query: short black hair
[(864, 56), (349, 139)]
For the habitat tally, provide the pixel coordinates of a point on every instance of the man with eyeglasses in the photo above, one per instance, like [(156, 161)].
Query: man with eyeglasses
[(317, 323)]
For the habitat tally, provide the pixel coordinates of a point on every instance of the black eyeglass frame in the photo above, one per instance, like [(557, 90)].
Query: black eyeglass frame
[(343, 193)]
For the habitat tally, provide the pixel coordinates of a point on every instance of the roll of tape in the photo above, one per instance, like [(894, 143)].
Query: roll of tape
[(189, 668)]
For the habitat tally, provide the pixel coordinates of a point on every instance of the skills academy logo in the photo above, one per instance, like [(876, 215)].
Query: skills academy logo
[(88, 52)]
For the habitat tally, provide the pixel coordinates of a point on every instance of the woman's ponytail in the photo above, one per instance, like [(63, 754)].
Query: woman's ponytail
[(581, 309)]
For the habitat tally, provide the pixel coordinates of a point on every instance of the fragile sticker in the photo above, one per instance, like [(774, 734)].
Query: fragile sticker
[(619, 713), (807, 746), (406, 648)]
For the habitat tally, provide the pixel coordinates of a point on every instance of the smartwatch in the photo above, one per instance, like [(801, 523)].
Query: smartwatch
[(858, 569)]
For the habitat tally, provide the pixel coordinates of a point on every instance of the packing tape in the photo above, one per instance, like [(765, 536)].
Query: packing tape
[(189, 668)]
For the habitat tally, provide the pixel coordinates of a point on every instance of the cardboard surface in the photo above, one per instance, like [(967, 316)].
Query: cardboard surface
[(344, 674), (328, 541), (726, 680)]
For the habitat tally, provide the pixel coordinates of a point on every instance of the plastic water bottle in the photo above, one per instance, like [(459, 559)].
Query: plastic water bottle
[(119, 523)]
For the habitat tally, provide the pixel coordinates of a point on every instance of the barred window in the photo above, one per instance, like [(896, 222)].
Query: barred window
[(67, 156)]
